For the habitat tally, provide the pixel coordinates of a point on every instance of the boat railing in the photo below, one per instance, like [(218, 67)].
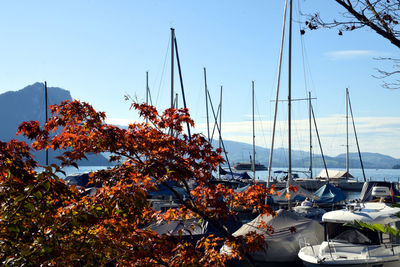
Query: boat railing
[(334, 246), (391, 246), (308, 242)]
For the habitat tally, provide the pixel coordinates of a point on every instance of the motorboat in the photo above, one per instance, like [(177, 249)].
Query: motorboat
[(370, 188), (346, 245)]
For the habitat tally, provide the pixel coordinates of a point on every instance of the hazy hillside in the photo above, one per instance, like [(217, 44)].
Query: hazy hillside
[(28, 104), (300, 159)]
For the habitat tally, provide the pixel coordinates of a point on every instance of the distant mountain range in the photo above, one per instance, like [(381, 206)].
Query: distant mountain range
[(300, 159), (28, 104)]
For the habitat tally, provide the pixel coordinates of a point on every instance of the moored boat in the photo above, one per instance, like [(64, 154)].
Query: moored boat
[(283, 244), (346, 245), (247, 166), (342, 179)]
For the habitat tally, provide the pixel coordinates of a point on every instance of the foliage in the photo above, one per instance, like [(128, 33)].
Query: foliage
[(44, 221), (376, 227)]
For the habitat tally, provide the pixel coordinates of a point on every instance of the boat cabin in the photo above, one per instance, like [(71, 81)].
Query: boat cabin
[(338, 228)]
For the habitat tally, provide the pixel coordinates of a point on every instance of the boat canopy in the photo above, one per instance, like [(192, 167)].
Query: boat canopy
[(334, 174), (328, 193), (228, 175), (193, 227), (299, 195), (282, 244), (377, 213)]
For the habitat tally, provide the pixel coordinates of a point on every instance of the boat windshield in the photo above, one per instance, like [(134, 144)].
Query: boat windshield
[(340, 233)]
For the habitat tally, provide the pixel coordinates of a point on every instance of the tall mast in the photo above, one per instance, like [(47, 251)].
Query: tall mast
[(182, 88), (355, 134), (172, 66), (319, 142), (205, 88), (347, 132), (271, 153), (289, 179), (253, 163), (290, 95), (45, 112), (147, 92), (309, 122), (220, 123)]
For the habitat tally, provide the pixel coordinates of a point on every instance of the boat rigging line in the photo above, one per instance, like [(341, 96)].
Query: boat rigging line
[(181, 81), (355, 133)]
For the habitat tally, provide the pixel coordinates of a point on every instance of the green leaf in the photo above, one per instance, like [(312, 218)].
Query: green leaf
[(20, 198), (47, 185), (38, 194), (366, 225), (13, 228), (392, 231), (29, 206), (379, 227)]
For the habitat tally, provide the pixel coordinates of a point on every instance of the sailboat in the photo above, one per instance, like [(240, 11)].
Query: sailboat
[(282, 245), (343, 179), (251, 165)]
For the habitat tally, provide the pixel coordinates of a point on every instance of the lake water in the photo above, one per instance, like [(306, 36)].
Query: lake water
[(370, 174)]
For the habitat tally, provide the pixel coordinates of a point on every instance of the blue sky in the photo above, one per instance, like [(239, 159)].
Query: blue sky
[(101, 50)]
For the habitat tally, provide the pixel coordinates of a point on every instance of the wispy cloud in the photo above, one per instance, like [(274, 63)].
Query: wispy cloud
[(349, 54)]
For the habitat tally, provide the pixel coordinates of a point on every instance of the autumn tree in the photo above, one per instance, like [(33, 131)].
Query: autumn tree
[(380, 16), (44, 221)]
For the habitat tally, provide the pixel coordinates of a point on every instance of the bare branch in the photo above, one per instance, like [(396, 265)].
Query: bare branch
[(381, 16)]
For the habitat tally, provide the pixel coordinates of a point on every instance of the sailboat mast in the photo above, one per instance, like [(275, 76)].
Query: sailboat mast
[(290, 95), (147, 87), (206, 90), (289, 178), (309, 122), (147, 92), (220, 124), (253, 163), (355, 134), (176, 101), (319, 142), (271, 153), (172, 66), (347, 132), (45, 112)]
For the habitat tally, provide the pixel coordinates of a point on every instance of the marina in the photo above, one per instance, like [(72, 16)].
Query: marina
[(238, 149)]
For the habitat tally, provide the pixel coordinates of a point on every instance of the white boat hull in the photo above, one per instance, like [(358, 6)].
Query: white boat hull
[(340, 254), (364, 264)]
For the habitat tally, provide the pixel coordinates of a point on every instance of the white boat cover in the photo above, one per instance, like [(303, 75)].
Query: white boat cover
[(282, 245), (334, 174), (369, 212)]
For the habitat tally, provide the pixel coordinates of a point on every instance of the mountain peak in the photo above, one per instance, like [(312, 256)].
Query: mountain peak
[(27, 104)]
